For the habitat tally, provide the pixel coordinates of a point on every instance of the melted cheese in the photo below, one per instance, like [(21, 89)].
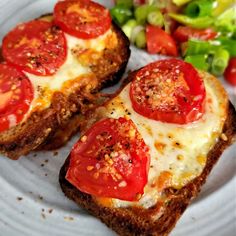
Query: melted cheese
[(178, 152), (71, 70)]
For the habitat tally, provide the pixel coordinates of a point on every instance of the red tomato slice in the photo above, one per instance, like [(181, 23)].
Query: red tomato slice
[(168, 91), (82, 19), (110, 160), (183, 33), (37, 47), (230, 72), (158, 41), (16, 94), (138, 2)]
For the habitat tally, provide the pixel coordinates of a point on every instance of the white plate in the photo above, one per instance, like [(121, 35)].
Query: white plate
[(31, 201)]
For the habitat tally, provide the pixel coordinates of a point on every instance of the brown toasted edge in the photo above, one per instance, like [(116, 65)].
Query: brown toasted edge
[(66, 130), (27, 136), (132, 221), (55, 131), (114, 78)]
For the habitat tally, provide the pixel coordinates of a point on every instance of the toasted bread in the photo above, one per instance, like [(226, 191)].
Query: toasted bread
[(44, 128), (160, 218)]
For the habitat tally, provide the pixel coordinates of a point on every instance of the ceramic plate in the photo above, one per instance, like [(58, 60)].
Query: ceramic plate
[(31, 201)]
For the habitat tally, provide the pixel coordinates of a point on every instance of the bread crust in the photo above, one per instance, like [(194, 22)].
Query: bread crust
[(162, 217), (46, 129)]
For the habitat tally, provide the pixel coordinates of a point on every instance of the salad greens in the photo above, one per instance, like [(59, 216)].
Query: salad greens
[(199, 8), (198, 23), (205, 51)]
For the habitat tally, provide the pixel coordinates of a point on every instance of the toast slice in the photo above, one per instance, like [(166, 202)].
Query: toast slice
[(159, 219), (45, 129)]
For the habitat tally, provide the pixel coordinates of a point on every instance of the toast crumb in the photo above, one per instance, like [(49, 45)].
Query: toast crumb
[(50, 210), (19, 198), (55, 153), (68, 218), (223, 137)]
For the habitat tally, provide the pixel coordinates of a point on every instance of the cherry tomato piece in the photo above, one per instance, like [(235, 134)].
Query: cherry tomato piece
[(158, 41), (230, 72), (184, 33)]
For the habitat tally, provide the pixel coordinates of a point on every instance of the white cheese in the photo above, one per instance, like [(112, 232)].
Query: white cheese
[(178, 150)]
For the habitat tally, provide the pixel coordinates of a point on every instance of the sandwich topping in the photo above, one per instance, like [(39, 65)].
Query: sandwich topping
[(37, 47), (177, 116), (81, 18), (58, 51), (168, 91), (110, 160), (16, 94)]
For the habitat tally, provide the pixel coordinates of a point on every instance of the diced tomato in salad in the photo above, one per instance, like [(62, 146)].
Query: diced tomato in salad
[(158, 41), (230, 72), (184, 33)]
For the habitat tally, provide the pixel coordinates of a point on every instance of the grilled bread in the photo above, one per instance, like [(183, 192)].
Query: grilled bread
[(58, 101), (171, 186)]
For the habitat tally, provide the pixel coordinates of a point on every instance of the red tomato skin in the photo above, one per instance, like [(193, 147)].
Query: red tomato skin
[(230, 72), (158, 41), (15, 108), (139, 2), (87, 162), (84, 30), (186, 108), (28, 47), (184, 33)]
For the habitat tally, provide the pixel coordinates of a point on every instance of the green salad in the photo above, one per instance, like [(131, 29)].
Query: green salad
[(203, 32)]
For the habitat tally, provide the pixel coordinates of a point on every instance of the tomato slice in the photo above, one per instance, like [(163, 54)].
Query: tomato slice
[(16, 94), (82, 19), (230, 72), (183, 33), (158, 41), (37, 47), (168, 91), (110, 160)]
